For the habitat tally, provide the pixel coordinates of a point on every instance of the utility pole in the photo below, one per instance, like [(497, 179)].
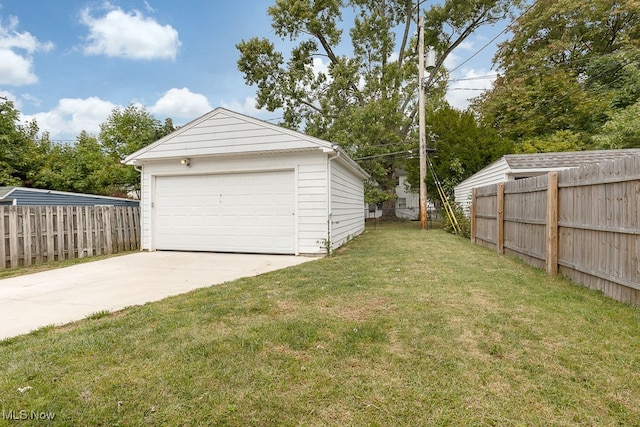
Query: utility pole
[(421, 124)]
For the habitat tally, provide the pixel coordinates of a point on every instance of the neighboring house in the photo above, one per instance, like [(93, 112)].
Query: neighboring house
[(373, 210), (226, 182), (21, 196), (519, 166), (407, 201)]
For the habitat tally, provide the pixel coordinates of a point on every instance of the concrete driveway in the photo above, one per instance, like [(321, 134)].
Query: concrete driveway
[(72, 293)]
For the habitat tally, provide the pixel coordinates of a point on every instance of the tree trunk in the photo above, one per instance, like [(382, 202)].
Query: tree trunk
[(389, 209)]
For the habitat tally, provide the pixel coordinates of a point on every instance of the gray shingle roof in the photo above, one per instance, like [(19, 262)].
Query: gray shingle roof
[(42, 197), (566, 159), (4, 191)]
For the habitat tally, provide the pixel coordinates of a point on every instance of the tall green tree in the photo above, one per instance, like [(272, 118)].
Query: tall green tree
[(124, 132), (366, 100), (91, 165), (461, 145), (82, 167), (23, 150), (622, 130), (568, 67)]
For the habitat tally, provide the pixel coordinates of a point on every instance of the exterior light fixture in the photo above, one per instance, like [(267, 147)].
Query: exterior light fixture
[(185, 162)]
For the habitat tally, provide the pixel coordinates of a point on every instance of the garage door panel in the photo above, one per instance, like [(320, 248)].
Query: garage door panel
[(246, 212)]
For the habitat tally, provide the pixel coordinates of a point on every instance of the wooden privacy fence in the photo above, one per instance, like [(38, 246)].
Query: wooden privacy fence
[(583, 223), (38, 234)]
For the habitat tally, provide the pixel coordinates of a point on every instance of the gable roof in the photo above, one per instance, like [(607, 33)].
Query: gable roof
[(563, 160), (222, 131)]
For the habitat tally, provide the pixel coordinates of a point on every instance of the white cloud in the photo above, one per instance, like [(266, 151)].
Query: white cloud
[(466, 45), (320, 66), (31, 99), (73, 115), (247, 107), (181, 103), (16, 70), (460, 98), (16, 54), (148, 7), (129, 35), (452, 61), (9, 96)]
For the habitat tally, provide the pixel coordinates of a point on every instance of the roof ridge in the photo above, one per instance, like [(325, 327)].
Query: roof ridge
[(565, 158)]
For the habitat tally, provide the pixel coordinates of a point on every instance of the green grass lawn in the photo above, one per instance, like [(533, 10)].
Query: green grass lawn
[(399, 328)]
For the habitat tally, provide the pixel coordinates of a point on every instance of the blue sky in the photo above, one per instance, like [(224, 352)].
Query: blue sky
[(68, 64)]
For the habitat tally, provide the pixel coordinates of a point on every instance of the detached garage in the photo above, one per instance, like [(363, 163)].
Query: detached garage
[(230, 183)]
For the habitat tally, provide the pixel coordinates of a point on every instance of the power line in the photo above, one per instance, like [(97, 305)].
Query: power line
[(396, 153), (488, 76)]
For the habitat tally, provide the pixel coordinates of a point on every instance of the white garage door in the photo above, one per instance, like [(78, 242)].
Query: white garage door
[(239, 212)]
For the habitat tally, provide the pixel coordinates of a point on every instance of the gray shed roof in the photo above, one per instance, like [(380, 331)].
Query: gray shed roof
[(514, 166), (39, 197), (567, 159), (5, 190)]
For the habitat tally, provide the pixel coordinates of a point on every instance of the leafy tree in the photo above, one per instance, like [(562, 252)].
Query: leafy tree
[(82, 167), (366, 100), (9, 118), (124, 132), (91, 165), (622, 131), (22, 149), (562, 140), (462, 147), (566, 69)]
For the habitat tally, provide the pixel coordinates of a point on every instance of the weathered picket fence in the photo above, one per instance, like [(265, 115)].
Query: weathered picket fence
[(583, 223), (38, 234)]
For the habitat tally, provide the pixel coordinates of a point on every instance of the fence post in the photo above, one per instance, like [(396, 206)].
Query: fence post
[(500, 216), (51, 256), (13, 236), (108, 230), (40, 225), (82, 237), (552, 224), (3, 237), (26, 235), (474, 197), (60, 232), (71, 245)]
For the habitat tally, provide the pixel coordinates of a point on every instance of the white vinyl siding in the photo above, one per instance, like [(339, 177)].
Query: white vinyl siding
[(410, 209), (310, 192), (313, 205), (223, 132), (492, 174), (347, 199)]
